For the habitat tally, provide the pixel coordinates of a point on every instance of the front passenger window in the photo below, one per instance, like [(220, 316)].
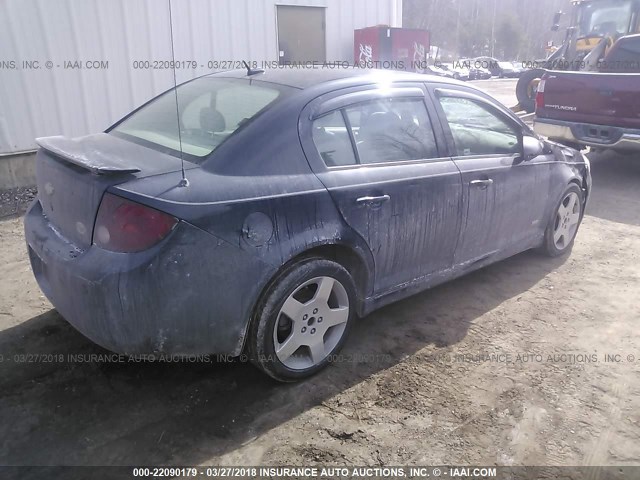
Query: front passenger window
[(477, 130)]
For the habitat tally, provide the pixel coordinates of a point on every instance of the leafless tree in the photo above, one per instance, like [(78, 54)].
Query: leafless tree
[(518, 30)]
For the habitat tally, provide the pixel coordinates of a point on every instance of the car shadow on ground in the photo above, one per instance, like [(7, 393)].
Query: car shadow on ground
[(616, 187), (105, 413)]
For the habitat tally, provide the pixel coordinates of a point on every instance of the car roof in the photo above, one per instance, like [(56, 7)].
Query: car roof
[(309, 77)]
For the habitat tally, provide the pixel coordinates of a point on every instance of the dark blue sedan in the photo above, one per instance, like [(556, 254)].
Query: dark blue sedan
[(283, 204)]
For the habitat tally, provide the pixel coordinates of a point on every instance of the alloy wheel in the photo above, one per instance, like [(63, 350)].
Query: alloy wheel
[(311, 323), (567, 221)]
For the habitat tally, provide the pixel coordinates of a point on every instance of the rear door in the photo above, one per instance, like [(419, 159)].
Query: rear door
[(377, 152), (504, 195)]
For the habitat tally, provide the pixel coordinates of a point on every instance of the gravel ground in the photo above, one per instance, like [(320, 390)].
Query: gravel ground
[(16, 201)]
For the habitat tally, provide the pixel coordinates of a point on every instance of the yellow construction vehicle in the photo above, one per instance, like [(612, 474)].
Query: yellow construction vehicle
[(602, 37)]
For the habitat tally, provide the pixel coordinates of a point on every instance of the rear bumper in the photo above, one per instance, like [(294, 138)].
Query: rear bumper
[(591, 135), (190, 295)]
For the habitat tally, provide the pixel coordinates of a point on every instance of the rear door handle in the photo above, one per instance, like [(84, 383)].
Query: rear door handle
[(373, 201), (481, 183)]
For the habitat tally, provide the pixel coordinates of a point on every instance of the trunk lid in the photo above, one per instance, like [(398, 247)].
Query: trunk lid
[(72, 176), (592, 98)]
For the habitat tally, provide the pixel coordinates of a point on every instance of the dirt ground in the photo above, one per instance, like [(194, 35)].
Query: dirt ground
[(533, 389), (502, 89)]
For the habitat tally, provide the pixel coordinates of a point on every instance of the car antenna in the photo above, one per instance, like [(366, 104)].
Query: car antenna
[(183, 181), (251, 71)]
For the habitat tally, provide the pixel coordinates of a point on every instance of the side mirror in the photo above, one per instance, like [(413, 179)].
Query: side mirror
[(556, 21), (531, 147)]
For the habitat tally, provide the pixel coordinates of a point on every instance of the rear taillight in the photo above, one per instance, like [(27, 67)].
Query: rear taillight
[(540, 95), (126, 226)]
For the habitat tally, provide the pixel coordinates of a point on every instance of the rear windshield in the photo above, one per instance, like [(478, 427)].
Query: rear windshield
[(211, 110)]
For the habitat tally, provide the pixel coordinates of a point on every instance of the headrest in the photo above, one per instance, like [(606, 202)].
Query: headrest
[(380, 122), (211, 120)]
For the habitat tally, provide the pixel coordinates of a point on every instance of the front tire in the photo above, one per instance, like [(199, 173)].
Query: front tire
[(303, 320), (563, 226), (527, 88)]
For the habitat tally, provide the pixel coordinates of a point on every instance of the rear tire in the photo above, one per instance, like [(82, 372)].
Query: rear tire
[(564, 223), (303, 320)]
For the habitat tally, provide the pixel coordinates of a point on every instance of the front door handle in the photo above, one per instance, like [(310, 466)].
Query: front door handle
[(483, 184), (373, 201)]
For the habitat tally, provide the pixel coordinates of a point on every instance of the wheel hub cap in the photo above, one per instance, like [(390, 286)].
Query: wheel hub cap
[(567, 221), (311, 323)]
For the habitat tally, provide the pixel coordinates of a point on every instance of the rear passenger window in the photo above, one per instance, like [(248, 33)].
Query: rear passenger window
[(478, 131), (392, 130), (332, 140)]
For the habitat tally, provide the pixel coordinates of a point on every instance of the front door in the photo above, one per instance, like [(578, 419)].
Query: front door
[(301, 34), (504, 194), (379, 159)]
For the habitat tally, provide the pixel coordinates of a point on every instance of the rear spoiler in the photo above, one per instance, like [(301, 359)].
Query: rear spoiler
[(89, 153)]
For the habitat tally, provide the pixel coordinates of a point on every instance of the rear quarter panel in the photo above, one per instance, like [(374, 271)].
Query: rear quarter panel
[(258, 194)]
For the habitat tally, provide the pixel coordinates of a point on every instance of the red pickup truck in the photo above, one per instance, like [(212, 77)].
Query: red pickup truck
[(600, 110)]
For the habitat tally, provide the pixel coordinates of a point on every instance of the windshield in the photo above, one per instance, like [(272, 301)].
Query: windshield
[(211, 110), (606, 17)]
